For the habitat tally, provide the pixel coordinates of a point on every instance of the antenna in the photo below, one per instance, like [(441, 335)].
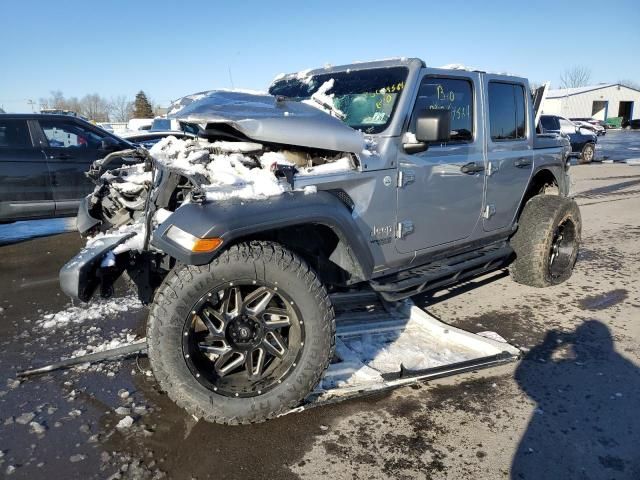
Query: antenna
[(230, 77)]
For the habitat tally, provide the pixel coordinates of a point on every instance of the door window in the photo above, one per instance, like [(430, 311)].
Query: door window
[(70, 135), (549, 123), (507, 111), (14, 134), (453, 94)]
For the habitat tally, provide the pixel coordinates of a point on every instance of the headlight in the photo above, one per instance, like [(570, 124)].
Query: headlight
[(190, 242)]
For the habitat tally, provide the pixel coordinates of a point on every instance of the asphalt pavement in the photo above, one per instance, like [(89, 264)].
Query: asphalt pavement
[(568, 409)]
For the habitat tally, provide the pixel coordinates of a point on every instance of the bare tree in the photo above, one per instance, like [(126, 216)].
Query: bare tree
[(577, 76), (120, 109), (630, 84), (55, 100), (95, 108)]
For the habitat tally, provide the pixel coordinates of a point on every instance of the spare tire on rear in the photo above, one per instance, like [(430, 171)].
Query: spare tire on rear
[(546, 242)]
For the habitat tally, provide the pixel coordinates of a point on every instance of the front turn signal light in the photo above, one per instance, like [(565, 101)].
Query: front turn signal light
[(206, 244), (191, 242)]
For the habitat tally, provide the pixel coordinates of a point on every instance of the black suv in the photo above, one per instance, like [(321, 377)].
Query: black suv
[(43, 160)]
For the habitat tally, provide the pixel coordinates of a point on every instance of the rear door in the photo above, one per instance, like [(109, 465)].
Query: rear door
[(437, 202), (509, 149), (25, 190), (71, 147)]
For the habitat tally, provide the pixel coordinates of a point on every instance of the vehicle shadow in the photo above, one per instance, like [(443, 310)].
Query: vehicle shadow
[(586, 424)]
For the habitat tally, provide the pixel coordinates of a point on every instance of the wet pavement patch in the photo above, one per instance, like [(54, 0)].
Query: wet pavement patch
[(603, 300), (518, 327)]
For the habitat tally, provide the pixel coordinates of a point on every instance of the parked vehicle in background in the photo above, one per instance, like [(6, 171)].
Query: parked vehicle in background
[(583, 142), (139, 124), (386, 175), (632, 124), (43, 160), (590, 124), (148, 139), (174, 125), (61, 111)]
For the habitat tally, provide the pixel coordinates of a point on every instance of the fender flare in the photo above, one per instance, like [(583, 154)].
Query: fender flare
[(235, 219)]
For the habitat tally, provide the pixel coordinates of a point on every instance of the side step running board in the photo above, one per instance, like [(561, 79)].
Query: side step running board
[(439, 274)]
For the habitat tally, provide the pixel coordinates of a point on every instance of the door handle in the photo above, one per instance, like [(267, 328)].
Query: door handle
[(522, 162), (61, 156), (472, 168)]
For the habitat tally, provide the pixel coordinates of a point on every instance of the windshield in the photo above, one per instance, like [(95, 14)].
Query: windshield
[(161, 124), (367, 98)]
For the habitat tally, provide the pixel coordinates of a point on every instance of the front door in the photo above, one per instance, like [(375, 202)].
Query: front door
[(509, 149), (25, 190), (71, 149), (438, 203)]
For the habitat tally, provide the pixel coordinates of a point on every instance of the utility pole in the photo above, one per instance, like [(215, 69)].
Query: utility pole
[(32, 103)]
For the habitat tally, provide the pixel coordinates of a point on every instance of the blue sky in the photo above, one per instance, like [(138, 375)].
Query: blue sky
[(170, 49)]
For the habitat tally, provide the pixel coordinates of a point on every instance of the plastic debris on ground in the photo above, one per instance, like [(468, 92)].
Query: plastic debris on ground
[(372, 347)]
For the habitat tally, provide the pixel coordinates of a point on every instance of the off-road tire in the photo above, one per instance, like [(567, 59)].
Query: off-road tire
[(182, 288), (587, 154), (532, 242)]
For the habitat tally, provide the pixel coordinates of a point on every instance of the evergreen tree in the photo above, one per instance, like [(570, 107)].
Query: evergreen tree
[(142, 106)]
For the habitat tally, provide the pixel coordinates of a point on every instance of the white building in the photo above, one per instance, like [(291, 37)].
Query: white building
[(602, 101)]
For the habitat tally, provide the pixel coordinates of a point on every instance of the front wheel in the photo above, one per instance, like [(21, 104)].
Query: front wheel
[(546, 242), (587, 154), (243, 339)]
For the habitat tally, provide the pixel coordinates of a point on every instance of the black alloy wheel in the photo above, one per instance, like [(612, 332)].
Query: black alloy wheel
[(243, 339)]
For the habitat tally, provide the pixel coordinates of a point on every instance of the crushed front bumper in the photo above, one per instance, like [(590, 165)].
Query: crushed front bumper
[(79, 277)]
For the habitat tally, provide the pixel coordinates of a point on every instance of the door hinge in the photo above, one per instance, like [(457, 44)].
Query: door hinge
[(405, 177), (404, 228), (489, 211)]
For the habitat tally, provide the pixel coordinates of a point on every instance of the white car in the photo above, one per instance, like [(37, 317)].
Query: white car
[(148, 138), (590, 124)]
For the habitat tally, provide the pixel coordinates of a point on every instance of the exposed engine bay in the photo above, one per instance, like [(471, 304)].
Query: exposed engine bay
[(197, 171), (136, 190)]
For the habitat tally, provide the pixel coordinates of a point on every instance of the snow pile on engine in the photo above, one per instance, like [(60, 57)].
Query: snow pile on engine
[(225, 165), (237, 169), (130, 180)]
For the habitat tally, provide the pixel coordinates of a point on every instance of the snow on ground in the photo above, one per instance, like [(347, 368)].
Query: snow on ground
[(122, 339), (97, 310)]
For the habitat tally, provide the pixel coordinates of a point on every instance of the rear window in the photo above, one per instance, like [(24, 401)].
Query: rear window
[(507, 111), (14, 134)]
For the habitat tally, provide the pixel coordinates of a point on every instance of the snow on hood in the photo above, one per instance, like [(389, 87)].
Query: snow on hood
[(264, 118)]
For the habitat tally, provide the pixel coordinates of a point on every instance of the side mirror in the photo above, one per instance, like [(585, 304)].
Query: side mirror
[(431, 126), (108, 144)]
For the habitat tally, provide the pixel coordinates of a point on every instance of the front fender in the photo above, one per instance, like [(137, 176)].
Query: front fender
[(237, 218)]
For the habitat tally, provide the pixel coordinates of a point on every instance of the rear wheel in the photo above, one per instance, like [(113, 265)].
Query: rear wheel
[(243, 339), (546, 242), (587, 154)]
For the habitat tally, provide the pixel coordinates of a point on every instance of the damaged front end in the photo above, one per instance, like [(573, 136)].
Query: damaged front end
[(133, 200)]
